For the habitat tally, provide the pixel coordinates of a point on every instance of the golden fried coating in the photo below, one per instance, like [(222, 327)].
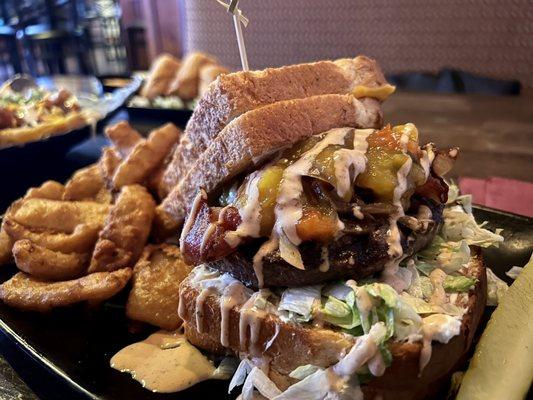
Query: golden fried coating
[(87, 184), (28, 293), (123, 137), (163, 71), (51, 190), (46, 264), (185, 85), (81, 240), (164, 226), (126, 230), (6, 244), (146, 156), (60, 216), (154, 296), (108, 164)]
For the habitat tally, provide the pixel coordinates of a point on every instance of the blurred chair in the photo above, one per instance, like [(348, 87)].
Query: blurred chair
[(56, 51), (52, 35), (9, 56), (491, 39)]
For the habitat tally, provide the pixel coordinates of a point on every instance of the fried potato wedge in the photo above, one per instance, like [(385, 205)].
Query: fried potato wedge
[(154, 296), (164, 225), (51, 190), (46, 264), (123, 137), (87, 184), (146, 156), (6, 245), (81, 240), (108, 164), (60, 216), (126, 230), (28, 293)]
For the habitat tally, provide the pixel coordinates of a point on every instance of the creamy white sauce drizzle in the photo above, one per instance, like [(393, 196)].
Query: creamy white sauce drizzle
[(266, 248), (438, 327), (250, 213), (165, 362), (207, 234), (199, 309), (233, 295), (395, 250), (424, 215), (250, 320), (324, 256), (345, 159), (437, 277), (357, 212), (288, 208), (191, 217), (428, 155)]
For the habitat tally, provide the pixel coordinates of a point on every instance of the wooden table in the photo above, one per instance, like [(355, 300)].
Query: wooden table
[(495, 135)]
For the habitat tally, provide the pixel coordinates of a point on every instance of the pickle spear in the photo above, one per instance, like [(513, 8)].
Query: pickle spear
[(502, 366)]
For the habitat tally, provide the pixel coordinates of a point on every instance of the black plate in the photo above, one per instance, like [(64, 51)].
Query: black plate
[(178, 116), (65, 354)]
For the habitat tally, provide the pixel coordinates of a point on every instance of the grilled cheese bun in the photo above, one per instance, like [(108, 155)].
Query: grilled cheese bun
[(256, 135), (218, 318), (232, 95)]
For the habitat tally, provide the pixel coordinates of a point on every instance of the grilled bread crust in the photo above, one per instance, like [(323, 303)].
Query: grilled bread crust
[(232, 95), (254, 136), (297, 345)]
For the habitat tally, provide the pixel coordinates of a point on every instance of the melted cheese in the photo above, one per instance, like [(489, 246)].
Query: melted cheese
[(381, 93)]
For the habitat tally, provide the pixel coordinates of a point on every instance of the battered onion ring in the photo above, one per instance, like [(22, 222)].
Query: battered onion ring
[(47, 264), (28, 293), (126, 230), (146, 156)]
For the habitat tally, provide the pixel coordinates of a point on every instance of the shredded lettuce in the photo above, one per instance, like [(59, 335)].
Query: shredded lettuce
[(496, 288), (299, 302), (303, 371), (459, 225), (458, 284), (514, 272), (339, 313), (422, 307), (447, 255)]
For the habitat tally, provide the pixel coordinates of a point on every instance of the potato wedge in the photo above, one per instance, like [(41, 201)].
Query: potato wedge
[(123, 137), (154, 296)]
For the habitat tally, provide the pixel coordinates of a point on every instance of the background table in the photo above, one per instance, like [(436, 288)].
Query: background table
[(495, 136)]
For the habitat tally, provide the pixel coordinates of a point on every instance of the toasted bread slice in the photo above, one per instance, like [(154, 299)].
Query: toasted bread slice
[(296, 345), (234, 94), (254, 136)]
